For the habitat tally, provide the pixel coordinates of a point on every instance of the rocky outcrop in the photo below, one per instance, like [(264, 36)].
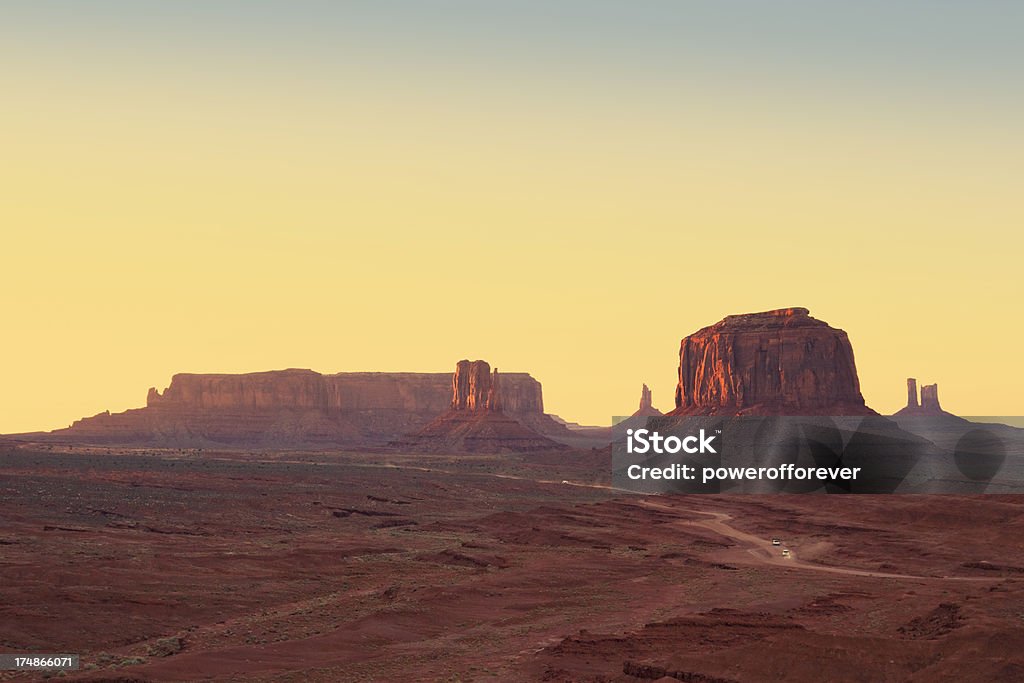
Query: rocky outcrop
[(646, 408), (494, 393), (637, 420), (912, 393), (476, 421), (471, 385), (929, 404), (780, 362), (303, 407)]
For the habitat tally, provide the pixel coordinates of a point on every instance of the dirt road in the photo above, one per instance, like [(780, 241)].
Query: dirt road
[(765, 553)]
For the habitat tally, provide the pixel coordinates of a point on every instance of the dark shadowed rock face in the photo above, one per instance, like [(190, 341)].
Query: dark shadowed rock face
[(494, 393), (637, 420), (912, 393), (781, 362), (929, 405)]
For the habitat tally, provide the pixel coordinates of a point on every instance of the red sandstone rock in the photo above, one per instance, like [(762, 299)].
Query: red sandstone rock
[(929, 405), (302, 407), (637, 420), (483, 431), (647, 408), (494, 393), (780, 362), (471, 385), (345, 392), (476, 422)]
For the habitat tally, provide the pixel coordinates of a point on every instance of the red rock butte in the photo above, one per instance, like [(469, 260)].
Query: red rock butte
[(476, 421), (779, 362)]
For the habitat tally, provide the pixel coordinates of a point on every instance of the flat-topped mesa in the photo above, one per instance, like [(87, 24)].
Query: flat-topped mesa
[(345, 392), (254, 391), (779, 362), (296, 406)]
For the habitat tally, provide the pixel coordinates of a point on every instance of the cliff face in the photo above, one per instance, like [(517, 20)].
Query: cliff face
[(295, 389), (343, 392), (471, 385), (780, 362), (930, 398), (294, 406)]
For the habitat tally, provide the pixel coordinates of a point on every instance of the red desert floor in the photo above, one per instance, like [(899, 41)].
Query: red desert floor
[(185, 566)]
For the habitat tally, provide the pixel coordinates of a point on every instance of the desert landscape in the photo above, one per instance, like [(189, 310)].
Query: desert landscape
[(526, 342), (172, 565), (213, 535)]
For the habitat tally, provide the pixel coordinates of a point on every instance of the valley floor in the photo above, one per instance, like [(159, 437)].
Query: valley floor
[(180, 565)]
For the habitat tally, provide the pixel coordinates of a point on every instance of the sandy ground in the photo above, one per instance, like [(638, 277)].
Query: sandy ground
[(183, 566)]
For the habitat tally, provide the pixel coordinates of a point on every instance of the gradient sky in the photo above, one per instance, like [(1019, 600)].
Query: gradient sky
[(564, 188)]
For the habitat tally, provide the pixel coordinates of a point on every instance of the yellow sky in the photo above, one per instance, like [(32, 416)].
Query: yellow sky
[(206, 224)]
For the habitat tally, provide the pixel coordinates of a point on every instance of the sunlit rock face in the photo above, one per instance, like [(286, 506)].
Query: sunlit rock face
[(780, 362)]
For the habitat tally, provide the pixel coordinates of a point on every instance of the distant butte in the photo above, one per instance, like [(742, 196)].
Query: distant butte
[(646, 408), (779, 362), (476, 421), (929, 404)]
